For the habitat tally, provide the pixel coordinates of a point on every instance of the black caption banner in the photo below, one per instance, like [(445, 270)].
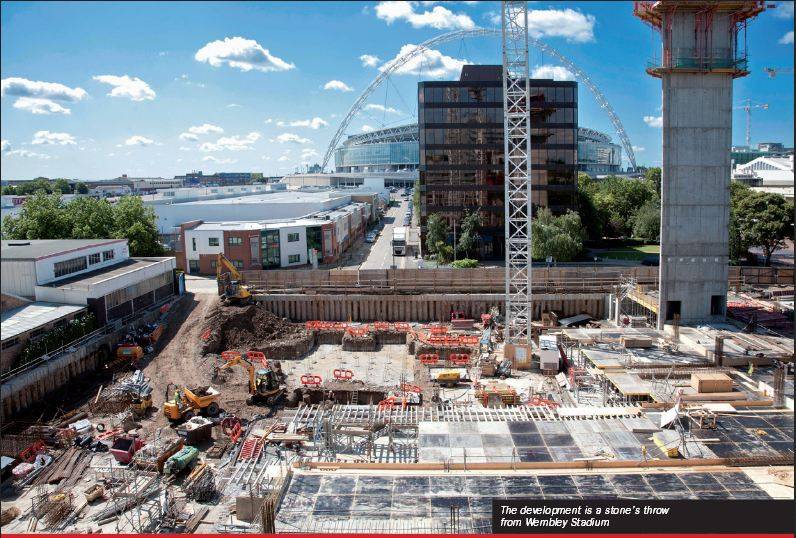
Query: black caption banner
[(639, 516)]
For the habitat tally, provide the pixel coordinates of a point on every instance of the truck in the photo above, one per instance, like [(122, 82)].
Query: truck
[(399, 241)]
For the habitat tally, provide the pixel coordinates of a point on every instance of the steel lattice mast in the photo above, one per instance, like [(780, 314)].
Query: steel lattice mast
[(517, 144)]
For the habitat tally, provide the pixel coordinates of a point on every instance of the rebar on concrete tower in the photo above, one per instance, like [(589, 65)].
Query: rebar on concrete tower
[(517, 144), (701, 54)]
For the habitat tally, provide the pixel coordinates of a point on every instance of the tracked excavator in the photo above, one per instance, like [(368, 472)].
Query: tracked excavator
[(230, 286), (265, 384)]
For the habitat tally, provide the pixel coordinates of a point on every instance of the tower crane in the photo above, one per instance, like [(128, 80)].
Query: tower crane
[(772, 71), (748, 106)]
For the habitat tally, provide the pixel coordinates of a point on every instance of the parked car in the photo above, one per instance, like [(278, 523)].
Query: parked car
[(370, 238)]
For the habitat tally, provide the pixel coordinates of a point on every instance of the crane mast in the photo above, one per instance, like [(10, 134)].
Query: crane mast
[(517, 146)]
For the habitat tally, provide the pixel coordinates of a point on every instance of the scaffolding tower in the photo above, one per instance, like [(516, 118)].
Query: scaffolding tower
[(517, 147)]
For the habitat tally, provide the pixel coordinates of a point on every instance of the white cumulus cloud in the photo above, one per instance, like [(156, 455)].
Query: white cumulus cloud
[(193, 132), (368, 129), (132, 88), (382, 108), (232, 143), (638, 149), (233, 105), (572, 25), (654, 121), (283, 158), (314, 123), (22, 87), (292, 138), (787, 39), (440, 18), (784, 10), (369, 60), (306, 153), (555, 72), (241, 53), (38, 105), (138, 140), (57, 139), (430, 63), (5, 145), (29, 154), (337, 85), (211, 159)]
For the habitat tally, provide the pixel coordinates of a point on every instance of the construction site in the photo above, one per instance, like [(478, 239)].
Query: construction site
[(405, 401)]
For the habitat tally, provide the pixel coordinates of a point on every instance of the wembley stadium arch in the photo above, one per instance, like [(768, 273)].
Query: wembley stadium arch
[(395, 64)]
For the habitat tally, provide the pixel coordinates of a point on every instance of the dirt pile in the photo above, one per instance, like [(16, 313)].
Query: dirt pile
[(253, 327)]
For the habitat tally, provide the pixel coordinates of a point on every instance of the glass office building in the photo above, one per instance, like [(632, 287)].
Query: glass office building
[(461, 149), (386, 150)]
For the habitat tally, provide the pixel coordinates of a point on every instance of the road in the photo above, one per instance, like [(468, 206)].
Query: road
[(380, 256)]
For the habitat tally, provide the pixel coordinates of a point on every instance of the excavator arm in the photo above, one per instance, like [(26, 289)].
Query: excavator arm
[(236, 359), (229, 280)]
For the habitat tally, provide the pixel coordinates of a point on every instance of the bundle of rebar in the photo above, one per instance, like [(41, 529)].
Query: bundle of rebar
[(201, 484)]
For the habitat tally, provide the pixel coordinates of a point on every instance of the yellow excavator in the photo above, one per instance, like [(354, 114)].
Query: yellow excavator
[(264, 383), (230, 287)]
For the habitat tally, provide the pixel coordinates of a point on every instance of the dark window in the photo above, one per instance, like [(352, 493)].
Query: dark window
[(193, 266), (235, 240), (94, 258), (108, 255), (212, 241), (293, 258), (292, 237), (238, 264), (67, 267), (193, 243)]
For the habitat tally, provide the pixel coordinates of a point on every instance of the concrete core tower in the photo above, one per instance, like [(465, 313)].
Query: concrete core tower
[(701, 55)]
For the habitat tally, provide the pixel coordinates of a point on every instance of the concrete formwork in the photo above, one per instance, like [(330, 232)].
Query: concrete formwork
[(420, 308)]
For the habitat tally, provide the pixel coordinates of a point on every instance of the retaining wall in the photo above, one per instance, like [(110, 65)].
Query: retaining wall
[(421, 308)]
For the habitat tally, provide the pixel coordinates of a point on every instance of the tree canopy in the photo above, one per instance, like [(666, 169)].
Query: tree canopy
[(764, 220), (610, 205), (469, 238), (44, 216), (560, 237)]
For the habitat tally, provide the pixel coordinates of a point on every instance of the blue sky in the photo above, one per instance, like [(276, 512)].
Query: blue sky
[(95, 90)]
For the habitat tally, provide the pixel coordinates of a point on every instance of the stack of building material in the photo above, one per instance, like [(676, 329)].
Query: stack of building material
[(711, 382), (200, 485), (153, 456), (635, 341)]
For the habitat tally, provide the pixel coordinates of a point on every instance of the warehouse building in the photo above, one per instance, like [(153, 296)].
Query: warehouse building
[(269, 244), (97, 273)]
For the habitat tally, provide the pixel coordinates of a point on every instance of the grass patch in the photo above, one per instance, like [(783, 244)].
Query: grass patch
[(636, 253)]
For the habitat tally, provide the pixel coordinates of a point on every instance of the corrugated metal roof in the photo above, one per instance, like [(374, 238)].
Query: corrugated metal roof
[(31, 316)]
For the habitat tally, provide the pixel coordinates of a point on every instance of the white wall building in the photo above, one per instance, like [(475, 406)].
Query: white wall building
[(768, 174), (94, 272)]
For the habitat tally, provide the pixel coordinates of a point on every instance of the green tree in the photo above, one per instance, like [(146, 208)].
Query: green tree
[(593, 220), (81, 188), (136, 223), (62, 186), (617, 200), (416, 196), (468, 239), (647, 221), (560, 237), (38, 184), (444, 252), (765, 220), (9, 190), (91, 218), (739, 247), (653, 177), (43, 216), (436, 232)]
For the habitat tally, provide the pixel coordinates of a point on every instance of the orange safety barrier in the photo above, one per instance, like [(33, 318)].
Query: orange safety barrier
[(406, 387), (381, 326), (231, 427), (309, 380), (257, 356), (537, 401), (459, 358), (205, 335), (30, 453), (343, 375), (439, 329), (402, 327), (357, 331), (230, 355), (429, 358), (339, 325)]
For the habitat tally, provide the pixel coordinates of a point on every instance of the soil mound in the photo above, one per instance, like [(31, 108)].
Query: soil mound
[(253, 327)]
